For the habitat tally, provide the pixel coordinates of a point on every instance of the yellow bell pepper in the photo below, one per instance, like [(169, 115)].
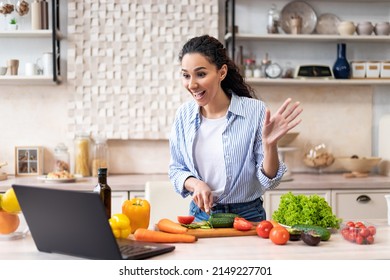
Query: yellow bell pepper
[(120, 225), (138, 212)]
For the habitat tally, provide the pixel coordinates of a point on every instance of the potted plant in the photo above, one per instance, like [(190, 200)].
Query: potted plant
[(13, 24)]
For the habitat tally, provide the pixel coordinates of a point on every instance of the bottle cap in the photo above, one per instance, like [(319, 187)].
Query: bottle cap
[(102, 171)]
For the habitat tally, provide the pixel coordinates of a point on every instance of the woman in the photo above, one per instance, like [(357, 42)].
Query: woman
[(224, 142)]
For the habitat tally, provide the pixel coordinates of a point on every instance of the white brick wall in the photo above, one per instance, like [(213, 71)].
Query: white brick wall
[(123, 66)]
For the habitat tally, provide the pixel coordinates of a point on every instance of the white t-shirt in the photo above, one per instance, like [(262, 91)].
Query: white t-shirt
[(208, 154)]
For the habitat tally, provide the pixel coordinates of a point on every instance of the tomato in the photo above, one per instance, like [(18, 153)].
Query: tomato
[(350, 224), (351, 236), (359, 225), (185, 219), (263, 228), (372, 230), (364, 232), (359, 239), (279, 235), (345, 232), (242, 224), (370, 239)]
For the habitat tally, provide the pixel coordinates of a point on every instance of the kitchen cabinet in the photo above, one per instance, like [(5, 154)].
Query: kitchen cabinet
[(348, 204), (250, 17), (27, 45), (359, 204), (117, 199)]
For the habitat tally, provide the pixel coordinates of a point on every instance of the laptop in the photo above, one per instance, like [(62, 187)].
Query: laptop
[(74, 223)]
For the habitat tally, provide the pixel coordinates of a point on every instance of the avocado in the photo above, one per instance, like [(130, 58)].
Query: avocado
[(310, 237), (295, 234), (323, 232)]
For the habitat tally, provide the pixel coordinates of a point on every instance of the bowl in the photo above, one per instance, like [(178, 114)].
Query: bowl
[(12, 226), (358, 232), (359, 164), (287, 139)]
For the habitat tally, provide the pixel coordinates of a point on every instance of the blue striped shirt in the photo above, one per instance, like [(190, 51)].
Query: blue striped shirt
[(242, 146)]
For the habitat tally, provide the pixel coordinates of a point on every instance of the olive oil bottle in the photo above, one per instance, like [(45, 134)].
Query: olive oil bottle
[(104, 190)]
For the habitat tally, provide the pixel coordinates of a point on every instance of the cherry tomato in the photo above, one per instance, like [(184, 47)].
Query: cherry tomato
[(345, 232), (352, 235), (359, 225), (185, 219), (372, 230), (279, 235), (263, 228), (370, 239), (359, 239), (242, 224), (350, 224), (364, 232)]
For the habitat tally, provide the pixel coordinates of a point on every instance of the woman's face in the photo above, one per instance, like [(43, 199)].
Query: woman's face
[(201, 78)]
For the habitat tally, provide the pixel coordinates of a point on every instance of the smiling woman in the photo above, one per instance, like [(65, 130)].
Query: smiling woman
[(224, 121)]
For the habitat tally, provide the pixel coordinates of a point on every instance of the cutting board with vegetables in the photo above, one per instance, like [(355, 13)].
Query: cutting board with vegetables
[(220, 232)]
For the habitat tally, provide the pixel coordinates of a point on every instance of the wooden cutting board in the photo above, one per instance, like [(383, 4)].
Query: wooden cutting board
[(220, 232)]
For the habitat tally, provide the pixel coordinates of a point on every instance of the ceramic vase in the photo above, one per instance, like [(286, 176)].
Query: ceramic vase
[(341, 67)]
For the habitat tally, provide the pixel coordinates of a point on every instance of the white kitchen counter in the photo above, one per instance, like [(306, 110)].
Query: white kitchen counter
[(132, 182), (238, 248), (136, 182)]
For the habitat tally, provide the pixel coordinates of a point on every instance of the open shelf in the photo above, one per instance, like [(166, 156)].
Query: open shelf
[(28, 80), (317, 81), (308, 37)]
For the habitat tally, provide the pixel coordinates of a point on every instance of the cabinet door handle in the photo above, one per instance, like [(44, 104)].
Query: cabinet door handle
[(363, 198)]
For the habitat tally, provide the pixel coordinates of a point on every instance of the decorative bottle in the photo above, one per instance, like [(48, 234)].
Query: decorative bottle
[(104, 190), (341, 68)]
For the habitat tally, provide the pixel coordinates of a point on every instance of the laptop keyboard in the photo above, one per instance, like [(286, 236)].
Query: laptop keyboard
[(129, 250)]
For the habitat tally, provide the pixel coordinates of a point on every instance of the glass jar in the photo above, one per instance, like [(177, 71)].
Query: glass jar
[(81, 149), (273, 20), (249, 67), (61, 158), (100, 155)]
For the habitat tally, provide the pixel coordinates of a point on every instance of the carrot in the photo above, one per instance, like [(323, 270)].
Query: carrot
[(147, 235), (170, 226), (275, 223)]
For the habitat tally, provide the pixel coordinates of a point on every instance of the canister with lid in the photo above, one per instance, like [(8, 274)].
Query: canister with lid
[(61, 158), (100, 155), (81, 149)]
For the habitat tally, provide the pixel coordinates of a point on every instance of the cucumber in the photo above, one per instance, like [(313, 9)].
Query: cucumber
[(222, 220), (323, 232), (224, 215)]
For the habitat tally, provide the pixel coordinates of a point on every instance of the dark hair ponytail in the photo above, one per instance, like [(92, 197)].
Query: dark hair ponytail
[(216, 54)]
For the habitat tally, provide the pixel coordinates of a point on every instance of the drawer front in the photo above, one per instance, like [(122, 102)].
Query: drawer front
[(272, 198), (360, 204)]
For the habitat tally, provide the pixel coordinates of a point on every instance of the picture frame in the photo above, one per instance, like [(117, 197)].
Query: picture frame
[(28, 161)]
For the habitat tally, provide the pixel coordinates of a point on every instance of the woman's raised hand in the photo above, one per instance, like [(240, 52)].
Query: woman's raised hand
[(285, 119)]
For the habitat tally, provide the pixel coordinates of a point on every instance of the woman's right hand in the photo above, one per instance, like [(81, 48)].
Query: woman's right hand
[(202, 194)]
